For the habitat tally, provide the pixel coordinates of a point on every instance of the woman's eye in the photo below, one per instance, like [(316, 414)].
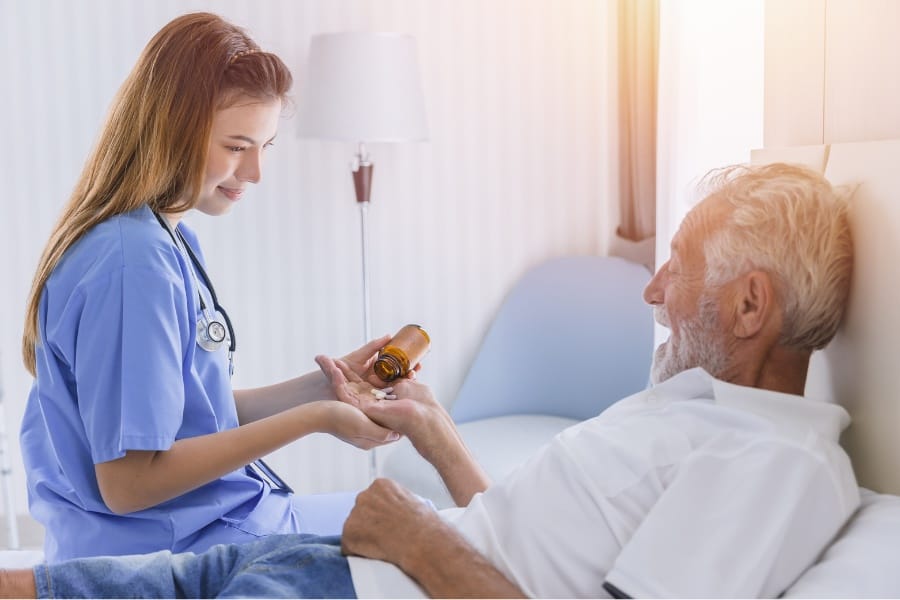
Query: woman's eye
[(236, 148)]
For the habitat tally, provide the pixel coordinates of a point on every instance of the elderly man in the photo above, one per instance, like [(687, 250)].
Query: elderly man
[(720, 480)]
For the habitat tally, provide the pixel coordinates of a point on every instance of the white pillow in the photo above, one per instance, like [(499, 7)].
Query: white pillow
[(864, 560)]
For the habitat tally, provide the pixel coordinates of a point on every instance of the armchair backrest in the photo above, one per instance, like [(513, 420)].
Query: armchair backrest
[(573, 336)]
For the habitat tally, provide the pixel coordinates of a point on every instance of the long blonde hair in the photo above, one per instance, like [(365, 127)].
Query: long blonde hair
[(153, 147)]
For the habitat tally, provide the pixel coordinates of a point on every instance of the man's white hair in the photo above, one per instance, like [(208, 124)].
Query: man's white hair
[(790, 222)]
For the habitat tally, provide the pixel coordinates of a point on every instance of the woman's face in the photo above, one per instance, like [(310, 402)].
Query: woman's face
[(238, 140)]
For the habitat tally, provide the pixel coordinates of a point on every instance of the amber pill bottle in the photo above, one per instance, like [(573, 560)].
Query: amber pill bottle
[(402, 353)]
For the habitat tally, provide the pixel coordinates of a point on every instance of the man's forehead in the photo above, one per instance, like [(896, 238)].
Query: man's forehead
[(704, 218), (689, 227)]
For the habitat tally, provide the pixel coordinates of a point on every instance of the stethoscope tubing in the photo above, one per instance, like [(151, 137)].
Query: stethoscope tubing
[(212, 291), (198, 267)]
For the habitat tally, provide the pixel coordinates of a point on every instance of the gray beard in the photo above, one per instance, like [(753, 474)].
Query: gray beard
[(700, 344)]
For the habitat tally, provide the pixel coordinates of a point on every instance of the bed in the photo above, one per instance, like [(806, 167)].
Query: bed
[(857, 370)]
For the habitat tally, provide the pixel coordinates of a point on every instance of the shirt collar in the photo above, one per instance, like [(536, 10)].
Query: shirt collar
[(787, 411)]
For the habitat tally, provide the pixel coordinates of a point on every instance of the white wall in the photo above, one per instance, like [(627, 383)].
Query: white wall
[(516, 171), (832, 71)]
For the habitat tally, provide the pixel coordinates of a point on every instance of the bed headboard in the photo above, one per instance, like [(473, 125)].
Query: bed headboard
[(860, 369)]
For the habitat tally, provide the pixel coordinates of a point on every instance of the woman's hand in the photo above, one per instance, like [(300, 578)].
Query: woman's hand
[(361, 361), (408, 407), (348, 386), (350, 425)]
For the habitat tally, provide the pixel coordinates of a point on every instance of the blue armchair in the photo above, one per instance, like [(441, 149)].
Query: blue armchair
[(572, 337)]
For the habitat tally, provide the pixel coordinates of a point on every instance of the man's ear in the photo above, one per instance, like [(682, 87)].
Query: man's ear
[(754, 304)]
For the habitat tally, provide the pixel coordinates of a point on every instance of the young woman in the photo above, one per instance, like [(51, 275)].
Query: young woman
[(133, 438)]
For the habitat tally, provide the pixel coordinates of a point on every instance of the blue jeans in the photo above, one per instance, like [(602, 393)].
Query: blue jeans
[(279, 566)]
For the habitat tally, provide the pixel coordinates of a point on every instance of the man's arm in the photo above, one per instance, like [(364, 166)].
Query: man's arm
[(388, 523), (416, 414)]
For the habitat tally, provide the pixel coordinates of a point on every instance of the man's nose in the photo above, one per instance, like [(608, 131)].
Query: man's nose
[(653, 293)]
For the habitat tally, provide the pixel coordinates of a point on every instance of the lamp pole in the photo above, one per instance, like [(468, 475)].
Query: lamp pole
[(381, 68), (362, 169), (362, 182)]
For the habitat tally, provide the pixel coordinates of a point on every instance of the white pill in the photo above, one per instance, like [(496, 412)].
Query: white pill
[(378, 394)]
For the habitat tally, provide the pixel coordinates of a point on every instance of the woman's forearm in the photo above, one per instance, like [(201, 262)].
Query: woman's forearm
[(142, 479), (258, 403)]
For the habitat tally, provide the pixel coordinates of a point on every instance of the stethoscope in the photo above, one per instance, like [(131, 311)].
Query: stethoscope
[(211, 332)]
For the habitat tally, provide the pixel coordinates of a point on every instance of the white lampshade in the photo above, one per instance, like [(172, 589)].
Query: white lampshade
[(363, 87)]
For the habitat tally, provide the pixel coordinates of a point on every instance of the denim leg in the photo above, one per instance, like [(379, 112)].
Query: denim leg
[(296, 566), (140, 575)]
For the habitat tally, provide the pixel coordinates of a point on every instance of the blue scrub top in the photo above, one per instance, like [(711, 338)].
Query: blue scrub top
[(118, 368)]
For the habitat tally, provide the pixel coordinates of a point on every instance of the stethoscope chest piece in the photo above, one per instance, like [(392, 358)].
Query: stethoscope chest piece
[(211, 334)]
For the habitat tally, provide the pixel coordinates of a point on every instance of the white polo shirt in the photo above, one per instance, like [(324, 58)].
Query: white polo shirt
[(694, 488)]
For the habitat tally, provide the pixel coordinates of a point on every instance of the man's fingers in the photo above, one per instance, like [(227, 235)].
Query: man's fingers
[(367, 442), (377, 433), (385, 435)]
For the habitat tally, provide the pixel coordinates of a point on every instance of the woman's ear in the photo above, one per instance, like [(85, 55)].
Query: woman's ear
[(755, 304)]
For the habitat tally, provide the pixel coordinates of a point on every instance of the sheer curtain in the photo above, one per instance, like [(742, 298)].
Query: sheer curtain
[(638, 37)]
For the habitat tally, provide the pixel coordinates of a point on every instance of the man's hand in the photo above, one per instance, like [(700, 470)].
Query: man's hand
[(390, 524), (411, 410), (418, 415), (386, 523), (407, 407)]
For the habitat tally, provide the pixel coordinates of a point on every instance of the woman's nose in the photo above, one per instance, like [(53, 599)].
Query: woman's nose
[(250, 169)]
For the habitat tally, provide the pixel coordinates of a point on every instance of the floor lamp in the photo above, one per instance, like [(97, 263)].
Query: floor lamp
[(363, 87)]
